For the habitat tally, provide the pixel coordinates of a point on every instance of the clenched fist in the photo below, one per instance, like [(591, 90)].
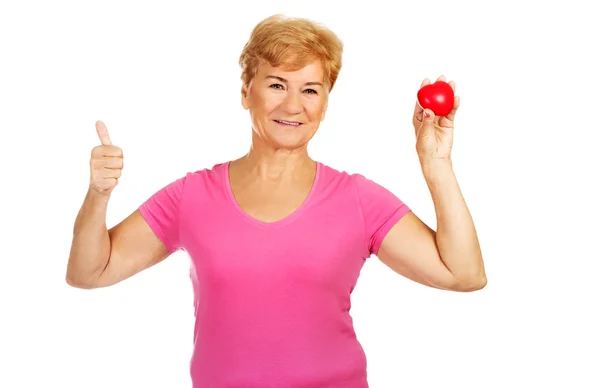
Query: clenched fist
[(106, 163)]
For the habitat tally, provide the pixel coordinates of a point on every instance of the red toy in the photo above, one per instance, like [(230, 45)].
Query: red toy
[(438, 96)]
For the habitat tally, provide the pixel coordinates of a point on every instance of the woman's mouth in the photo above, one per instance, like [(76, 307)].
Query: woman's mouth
[(288, 123)]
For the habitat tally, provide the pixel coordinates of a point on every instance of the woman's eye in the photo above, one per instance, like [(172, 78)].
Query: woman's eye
[(280, 86)]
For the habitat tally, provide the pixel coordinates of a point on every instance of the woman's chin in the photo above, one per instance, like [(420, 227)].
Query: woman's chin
[(287, 140)]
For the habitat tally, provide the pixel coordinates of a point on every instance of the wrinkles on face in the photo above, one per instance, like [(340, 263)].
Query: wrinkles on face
[(286, 107)]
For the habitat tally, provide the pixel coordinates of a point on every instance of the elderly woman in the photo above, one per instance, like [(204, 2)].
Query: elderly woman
[(277, 239)]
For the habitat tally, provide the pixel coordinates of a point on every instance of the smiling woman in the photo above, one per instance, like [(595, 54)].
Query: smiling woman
[(289, 67), (285, 107), (277, 240)]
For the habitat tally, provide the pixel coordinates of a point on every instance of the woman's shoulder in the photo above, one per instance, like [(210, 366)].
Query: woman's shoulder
[(339, 175), (206, 178), (216, 171), (357, 182)]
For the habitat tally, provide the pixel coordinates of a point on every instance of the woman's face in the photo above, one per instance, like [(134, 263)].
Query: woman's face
[(286, 107)]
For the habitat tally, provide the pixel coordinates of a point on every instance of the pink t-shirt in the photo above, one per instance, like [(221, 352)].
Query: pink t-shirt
[(272, 300)]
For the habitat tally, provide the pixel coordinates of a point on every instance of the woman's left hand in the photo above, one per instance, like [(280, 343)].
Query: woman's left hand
[(434, 133)]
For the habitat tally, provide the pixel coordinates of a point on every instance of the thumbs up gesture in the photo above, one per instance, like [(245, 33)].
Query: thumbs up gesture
[(106, 163)]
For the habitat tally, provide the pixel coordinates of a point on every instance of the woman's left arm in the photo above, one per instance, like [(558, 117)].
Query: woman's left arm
[(450, 258)]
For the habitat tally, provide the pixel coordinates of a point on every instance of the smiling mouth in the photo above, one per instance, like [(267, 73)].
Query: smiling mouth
[(288, 123)]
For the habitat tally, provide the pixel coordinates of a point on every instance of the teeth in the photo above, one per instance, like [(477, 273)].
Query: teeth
[(287, 122)]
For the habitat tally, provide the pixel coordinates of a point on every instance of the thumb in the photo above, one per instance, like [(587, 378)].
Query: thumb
[(428, 116), (427, 121), (103, 133)]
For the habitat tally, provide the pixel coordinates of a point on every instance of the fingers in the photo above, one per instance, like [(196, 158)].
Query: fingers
[(107, 150), (452, 85), (102, 133), (452, 113), (106, 162), (105, 172)]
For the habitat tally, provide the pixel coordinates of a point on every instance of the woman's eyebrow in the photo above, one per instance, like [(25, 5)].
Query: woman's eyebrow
[(285, 81)]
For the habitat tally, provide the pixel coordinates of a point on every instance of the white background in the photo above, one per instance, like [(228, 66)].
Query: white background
[(164, 78)]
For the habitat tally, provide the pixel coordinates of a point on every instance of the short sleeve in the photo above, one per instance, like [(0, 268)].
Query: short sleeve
[(161, 212), (381, 210)]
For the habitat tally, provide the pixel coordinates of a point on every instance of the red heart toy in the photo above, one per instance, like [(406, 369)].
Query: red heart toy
[(438, 96)]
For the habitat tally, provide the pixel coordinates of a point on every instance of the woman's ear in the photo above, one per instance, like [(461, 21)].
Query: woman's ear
[(245, 97)]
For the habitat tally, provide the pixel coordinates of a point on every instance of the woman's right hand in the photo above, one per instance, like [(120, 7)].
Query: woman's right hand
[(106, 163)]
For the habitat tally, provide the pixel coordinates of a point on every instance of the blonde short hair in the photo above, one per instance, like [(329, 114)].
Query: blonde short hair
[(293, 43)]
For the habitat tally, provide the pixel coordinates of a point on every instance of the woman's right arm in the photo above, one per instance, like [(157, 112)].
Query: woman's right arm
[(101, 257)]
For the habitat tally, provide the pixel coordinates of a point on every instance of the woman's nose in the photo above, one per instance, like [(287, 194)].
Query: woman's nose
[(292, 103)]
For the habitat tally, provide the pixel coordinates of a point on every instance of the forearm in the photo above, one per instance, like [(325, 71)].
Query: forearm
[(456, 236), (90, 249)]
